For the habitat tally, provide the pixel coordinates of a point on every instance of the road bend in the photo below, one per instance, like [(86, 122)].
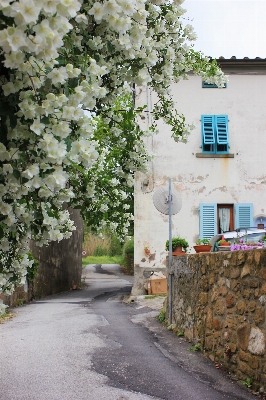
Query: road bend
[(90, 345)]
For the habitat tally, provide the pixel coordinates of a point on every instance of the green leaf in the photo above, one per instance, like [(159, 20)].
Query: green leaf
[(73, 83), (16, 173), (13, 121), (110, 47), (1, 232), (45, 120)]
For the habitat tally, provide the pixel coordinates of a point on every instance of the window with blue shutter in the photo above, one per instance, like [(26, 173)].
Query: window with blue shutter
[(243, 215), (214, 130), (208, 220)]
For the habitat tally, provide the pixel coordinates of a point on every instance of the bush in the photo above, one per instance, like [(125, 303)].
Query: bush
[(100, 251), (128, 256), (129, 246), (115, 247)]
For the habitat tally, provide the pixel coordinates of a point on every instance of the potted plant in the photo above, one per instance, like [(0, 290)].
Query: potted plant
[(147, 250), (179, 245), (223, 242), (203, 246)]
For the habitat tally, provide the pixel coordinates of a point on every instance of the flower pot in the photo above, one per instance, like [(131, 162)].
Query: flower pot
[(225, 244), (178, 251), (147, 252), (202, 248)]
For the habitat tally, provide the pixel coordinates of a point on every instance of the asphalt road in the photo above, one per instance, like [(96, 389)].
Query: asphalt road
[(89, 345)]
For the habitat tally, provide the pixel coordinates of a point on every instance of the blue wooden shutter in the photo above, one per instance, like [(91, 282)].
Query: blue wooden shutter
[(243, 215), (208, 220), (221, 125), (207, 127)]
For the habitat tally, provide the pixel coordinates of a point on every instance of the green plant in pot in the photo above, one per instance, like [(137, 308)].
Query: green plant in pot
[(204, 241), (223, 242), (178, 244), (203, 245)]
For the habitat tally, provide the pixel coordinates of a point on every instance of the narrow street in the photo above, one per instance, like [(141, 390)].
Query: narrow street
[(89, 345)]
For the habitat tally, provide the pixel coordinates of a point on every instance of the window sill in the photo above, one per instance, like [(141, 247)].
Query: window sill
[(201, 155)]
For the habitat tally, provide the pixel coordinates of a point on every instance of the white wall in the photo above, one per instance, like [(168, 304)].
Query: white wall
[(241, 179)]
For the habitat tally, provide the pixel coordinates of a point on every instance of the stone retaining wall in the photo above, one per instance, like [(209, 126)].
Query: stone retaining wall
[(219, 301)]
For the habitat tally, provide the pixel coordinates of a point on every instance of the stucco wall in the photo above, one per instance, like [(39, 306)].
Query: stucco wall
[(60, 264), (241, 179), (219, 301)]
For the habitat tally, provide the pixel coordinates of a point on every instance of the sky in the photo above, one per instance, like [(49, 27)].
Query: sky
[(228, 27)]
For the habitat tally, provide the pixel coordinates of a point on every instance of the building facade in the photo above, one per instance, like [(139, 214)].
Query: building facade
[(219, 174)]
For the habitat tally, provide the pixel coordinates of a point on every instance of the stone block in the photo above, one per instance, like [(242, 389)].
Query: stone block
[(221, 282), (243, 356), (230, 300), (227, 335), (254, 282), (254, 363), (222, 291), (256, 341), (257, 257), (259, 315), (252, 305), (246, 293), (209, 319), (203, 298), (235, 285), (241, 306), (263, 272), (245, 271), (209, 343), (204, 284), (216, 324), (230, 321), (243, 367), (263, 288), (214, 294), (219, 307), (243, 336), (211, 278), (235, 272)]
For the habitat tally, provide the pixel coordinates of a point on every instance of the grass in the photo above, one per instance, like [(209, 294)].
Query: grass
[(161, 316), (247, 382), (102, 260), (5, 316), (197, 347)]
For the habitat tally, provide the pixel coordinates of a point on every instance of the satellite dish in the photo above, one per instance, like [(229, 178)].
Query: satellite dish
[(160, 200)]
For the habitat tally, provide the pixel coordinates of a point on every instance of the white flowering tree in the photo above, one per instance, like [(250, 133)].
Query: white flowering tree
[(58, 59)]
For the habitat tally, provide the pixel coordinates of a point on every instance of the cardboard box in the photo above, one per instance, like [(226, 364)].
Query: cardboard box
[(157, 286)]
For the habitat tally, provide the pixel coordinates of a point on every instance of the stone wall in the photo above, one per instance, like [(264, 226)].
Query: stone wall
[(219, 301), (60, 267), (22, 294)]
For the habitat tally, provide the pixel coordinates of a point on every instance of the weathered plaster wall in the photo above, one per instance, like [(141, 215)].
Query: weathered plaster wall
[(219, 301), (241, 179)]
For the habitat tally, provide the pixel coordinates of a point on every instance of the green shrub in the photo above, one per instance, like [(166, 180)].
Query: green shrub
[(115, 246), (129, 246), (100, 251)]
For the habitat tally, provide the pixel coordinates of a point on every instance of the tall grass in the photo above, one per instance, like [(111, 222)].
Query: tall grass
[(96, 246), (91, 243)]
